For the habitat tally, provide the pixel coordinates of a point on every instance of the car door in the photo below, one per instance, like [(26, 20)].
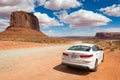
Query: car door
[(98, 52)]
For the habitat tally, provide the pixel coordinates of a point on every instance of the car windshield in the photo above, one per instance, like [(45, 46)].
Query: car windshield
[(80, 48)]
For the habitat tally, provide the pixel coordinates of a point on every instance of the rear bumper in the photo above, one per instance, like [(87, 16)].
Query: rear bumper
[(76, 65), (86, 64)]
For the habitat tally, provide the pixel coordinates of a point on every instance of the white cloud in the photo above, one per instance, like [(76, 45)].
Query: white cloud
[(40, 2), (68, 33), (46, 21), (84, 18), (8, 6), (60, 14), (3, 24), (51, 33), (113, 10), (62, 4), (108, 30), (9, 2)]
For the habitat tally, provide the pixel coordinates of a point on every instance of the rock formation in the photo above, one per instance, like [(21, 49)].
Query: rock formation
[(108, 35), (24, 20), (23, 26)]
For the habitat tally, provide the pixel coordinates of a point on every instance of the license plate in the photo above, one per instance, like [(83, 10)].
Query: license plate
[(73, 56)]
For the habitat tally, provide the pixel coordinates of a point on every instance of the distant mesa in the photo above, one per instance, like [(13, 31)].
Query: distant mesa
[(108, 35), (23, 25)]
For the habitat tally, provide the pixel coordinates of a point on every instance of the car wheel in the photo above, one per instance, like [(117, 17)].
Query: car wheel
[(95, 66), (103, 57)]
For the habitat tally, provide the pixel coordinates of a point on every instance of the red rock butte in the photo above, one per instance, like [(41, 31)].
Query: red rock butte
[(23, 25), (24, 20)]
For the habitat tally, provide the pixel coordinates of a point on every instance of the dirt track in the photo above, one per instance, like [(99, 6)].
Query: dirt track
[(44, 63)]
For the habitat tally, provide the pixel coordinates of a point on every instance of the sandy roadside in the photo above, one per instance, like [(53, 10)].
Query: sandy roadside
[(44, 63), (5, 45)]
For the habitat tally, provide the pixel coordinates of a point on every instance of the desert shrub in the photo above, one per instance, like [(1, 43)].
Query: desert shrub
[(97, 41), (105, 48), (117, 42), (113, 48)]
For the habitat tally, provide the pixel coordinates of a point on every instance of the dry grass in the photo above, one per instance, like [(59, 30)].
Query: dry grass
[(41, 40), (105, 44), (112, 45)]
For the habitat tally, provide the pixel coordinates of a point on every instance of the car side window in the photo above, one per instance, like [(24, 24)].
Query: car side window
[(95, 48)]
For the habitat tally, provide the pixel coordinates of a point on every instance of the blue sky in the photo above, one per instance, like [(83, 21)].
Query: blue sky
[(67, 17)]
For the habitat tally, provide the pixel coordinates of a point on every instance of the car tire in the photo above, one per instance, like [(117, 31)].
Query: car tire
[(103, 57), (95, 66)]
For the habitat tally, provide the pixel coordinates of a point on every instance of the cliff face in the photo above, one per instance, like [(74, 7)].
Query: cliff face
[(23, 25), (108, 35), (24, 20)]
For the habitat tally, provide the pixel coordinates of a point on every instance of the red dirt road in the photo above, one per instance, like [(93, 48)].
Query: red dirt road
[(44, 63)]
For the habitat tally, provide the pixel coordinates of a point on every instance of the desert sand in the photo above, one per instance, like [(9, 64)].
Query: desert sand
[(34, 61)]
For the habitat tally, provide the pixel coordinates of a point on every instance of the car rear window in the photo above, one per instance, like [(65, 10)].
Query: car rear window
[(80, 48)]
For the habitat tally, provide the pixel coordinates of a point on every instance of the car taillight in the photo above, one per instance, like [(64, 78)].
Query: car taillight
[(86, 56), (65, 54)]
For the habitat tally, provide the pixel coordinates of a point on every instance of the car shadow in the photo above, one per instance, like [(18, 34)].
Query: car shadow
[(71, 70)]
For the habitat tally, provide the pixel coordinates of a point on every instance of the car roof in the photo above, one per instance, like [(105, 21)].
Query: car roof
[(85, 44)]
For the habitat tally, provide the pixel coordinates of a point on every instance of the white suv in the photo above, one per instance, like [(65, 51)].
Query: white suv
[(82, 55)]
